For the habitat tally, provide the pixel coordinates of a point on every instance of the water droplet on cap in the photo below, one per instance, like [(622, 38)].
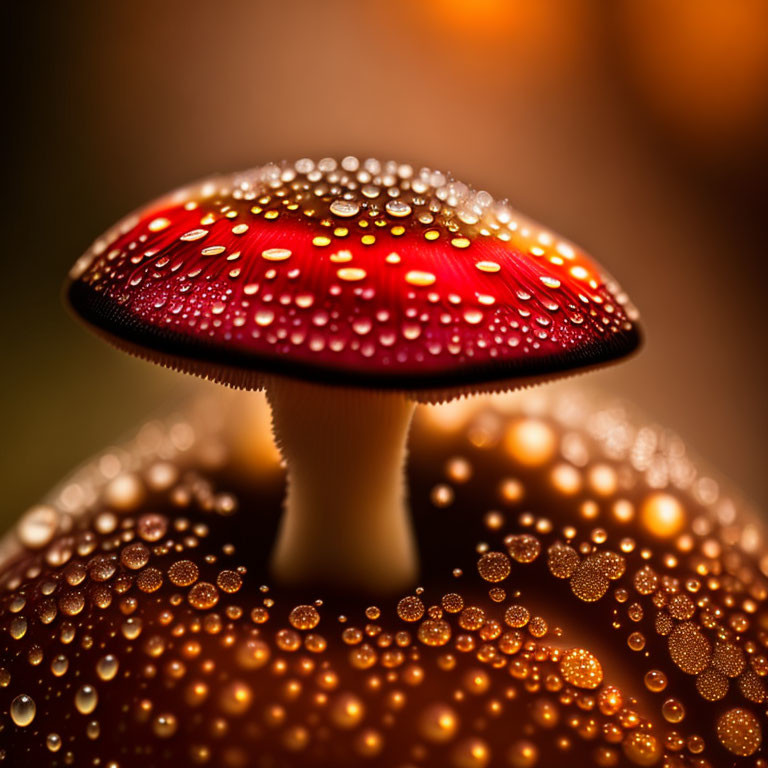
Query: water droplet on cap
[(398, 208), (344, 208)]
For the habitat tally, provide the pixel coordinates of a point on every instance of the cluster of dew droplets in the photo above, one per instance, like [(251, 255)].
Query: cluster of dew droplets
[(660, 549), (652, 558)]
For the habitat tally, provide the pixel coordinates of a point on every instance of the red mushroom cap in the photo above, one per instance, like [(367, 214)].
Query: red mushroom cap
[(369, 274)]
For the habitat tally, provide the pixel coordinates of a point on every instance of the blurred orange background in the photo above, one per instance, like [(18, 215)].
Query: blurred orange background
[(637, 128)]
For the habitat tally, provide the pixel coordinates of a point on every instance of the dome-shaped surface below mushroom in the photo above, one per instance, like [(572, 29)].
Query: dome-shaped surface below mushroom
[(601, 604)]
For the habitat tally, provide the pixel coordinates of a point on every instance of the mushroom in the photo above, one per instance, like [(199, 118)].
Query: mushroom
[(349, 292)]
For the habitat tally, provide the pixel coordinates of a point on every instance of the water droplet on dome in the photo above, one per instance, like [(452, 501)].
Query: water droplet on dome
[(59, 665), (165, 725), (107, 667), (305, 165), (229, 581), (304, 617), (23, 710), (18, 627), (655, 680), (152, 527), (494, 566), (194, 234), (134, 556), (203, 596), (581, 668), (739, 732), (38, 526), (410, 608)]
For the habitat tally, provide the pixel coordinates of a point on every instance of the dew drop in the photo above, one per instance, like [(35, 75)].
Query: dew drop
[(410, 608), (59, 665), (134, 556), (107, 667), (229, 581), (344, 208), (131, 628), (434, 632), (165, 725), (152, 527), (398, 208), (264, 317), (581, 668), (23, 710), (86, 699), (158, 224), (194, 234), (203, 596), (655, 680), (740, 732), (494, 566), (304, 617), (673, 710), (18, 627), (37, 526)]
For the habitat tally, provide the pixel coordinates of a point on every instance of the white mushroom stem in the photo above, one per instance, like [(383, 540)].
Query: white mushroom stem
[(346, 522)]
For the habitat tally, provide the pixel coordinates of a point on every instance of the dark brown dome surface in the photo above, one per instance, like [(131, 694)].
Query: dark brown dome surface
[(588, 597)]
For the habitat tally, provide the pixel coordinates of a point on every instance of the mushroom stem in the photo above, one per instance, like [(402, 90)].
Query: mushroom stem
[(346, 523)]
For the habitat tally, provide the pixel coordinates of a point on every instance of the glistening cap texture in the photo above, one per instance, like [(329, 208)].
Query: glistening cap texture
[(364, 273)]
